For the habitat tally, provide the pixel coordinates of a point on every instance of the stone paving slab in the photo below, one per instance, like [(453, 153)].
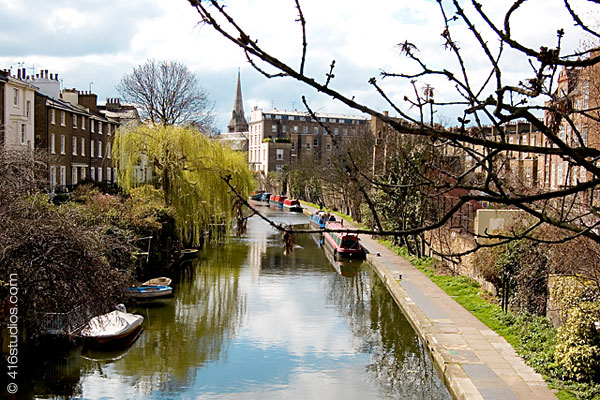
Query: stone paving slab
[(474, 361)]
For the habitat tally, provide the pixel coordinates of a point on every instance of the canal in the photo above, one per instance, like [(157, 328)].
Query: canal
[(248, 322)]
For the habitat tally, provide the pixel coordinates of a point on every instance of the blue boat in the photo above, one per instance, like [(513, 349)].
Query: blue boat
[(265, 197), (145, 292), (320, 219)]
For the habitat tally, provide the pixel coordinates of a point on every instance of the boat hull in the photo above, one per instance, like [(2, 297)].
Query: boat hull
[(161, 281), (292, 208), (150, 292), (113, 330), (340, 252)]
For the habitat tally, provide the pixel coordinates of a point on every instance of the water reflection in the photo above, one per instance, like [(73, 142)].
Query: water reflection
[(248, 322)]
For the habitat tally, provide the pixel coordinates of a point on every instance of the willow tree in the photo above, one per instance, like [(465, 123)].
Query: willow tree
[(192, 170)]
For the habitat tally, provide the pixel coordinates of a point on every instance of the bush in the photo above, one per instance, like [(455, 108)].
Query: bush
[(578, 348)]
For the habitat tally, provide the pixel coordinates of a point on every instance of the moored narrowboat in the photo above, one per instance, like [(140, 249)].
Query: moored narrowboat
[(277, 200), (320, 219), (256, 195), (342, 244), (265, 197), (292, 205)]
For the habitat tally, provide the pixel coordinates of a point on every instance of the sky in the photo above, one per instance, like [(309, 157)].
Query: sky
[(92, 44)]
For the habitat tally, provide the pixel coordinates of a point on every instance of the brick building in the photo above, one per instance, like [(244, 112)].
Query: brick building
[(523, 166), (279, 138), (77, 136), (578, 89)]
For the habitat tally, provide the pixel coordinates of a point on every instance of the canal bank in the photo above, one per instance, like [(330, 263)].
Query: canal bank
[(474, 361)]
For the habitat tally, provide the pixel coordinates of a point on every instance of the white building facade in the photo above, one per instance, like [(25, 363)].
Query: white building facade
[(19, 101)]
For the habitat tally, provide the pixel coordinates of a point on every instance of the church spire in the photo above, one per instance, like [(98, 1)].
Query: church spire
[(238, 122)]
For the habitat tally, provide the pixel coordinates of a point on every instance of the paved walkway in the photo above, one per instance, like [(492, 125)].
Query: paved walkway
[(474, 361)]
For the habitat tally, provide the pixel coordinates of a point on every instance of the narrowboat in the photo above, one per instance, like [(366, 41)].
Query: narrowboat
[(342, 244), (265, 197), (150, 292), (256, 195), (115, 329), (277, 200), (292, 205), (320, 219)]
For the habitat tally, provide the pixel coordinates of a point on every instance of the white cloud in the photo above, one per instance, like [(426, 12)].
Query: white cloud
[(95, 41)]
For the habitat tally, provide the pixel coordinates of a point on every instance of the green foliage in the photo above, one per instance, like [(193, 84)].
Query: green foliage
[(568, 292), (578, 348), (191, 170)]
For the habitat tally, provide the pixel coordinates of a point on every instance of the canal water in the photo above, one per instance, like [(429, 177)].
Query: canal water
[(248, 322)]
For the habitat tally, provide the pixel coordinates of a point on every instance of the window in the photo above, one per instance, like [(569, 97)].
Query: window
[(73, 175), (336, 131), (278, 117), (74, 121), (62, 118), (82, 173), (293, 145), (92, 125), (53, 144), (561, 132), (284, 128), (82, 150), (83, 122), (52, 178), (316, 130), (279, 154), (278, 167), (92, 173), (315, 142), (295, 128), (99, 149), (108, 146), (108, 174), (28, 109), (559, 175), (273, 128), (52, 117), (15, 96), (305, 130), (308, 146), (100, 127), (63, 175), (92, 148), (62, 144), (328, 146), (99, 174), (23, 133), (74, 145), (345, 132), (586, 95)]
